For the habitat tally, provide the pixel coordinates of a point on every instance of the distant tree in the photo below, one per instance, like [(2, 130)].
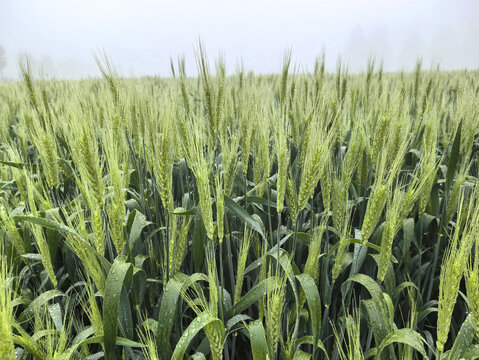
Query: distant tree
[(3, 59)]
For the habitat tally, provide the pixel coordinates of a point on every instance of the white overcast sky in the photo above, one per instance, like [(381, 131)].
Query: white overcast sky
[(140, 36)]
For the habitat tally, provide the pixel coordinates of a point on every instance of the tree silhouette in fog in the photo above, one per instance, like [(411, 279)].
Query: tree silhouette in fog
[(3, 59)]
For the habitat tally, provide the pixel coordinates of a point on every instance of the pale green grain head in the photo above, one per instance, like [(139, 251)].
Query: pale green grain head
[(274, 314), (220, 206), (282, 157), (7, 350)]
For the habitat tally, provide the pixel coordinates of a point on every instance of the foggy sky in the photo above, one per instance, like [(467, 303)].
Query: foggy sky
[(140, 36)]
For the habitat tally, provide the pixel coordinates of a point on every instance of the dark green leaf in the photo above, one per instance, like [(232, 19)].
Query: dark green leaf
[(243, 215), (119, 277)]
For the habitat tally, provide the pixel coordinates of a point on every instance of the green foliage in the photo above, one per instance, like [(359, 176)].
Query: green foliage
[(240, 217)]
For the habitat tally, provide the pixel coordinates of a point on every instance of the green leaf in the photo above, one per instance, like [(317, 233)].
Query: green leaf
[(124, 315), (257, 337), (97, 340), (85, 334), (39, 301), (175, 286), (301, 355), (236, 319), (402, 286), (55, 225), (404, 336), (261, 201), (257, 292), (309, 340), (45, 333), (359, 256), (26, 342), (127, 342), (56, 315), (271, 252), (32, 257), (373, 288), (167, 314), (8, 185), (198, 356), (132, 204), (435, 199), (119, 277), (19, 165), (375, 247), (463, 340), (195, 326), (136, 223), (139, 285), (243, 215), (408, 239), (183, 212), (472, 353), (47, 223), (377, 308), (376, 320), (199, 236), (290, 269), (314, 303), (453, 158)]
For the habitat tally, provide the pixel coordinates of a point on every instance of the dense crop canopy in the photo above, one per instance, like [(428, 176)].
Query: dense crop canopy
[(291, 216)]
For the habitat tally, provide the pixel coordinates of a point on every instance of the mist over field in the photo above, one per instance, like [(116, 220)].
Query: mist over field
[(141, 36)]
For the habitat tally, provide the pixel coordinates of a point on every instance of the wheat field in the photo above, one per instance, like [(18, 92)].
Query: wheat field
[(304, 215)]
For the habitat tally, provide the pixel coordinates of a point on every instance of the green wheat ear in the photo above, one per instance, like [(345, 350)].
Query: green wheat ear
[(352, 323), (274, 314), (472, 286), (147, 338), (391, 227), (282, 158), (311, 266), (453, 269), (13, 234), (375, 206), (242, 257), (343, 243), (39, 236), (7, 348)]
